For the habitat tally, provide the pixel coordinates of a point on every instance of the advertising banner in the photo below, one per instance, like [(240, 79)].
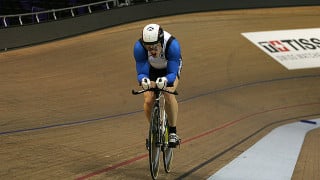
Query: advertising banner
[(294, 49)]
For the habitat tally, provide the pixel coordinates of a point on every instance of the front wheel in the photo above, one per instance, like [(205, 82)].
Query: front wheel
[(154, 146)]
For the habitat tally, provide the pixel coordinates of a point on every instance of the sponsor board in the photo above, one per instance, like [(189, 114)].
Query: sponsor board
[(294, 49)]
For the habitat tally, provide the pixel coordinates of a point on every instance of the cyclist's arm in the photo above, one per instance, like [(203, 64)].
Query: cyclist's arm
[(174, 57), (142, 65)]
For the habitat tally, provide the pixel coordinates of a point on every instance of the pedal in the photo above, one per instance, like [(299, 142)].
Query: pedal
[(171, 145)]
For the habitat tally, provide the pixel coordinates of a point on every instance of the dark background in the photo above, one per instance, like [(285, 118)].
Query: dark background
[(20, 36)]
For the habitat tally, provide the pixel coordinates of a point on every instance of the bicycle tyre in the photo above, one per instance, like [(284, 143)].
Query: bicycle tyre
[(154, 147), (167, 151)]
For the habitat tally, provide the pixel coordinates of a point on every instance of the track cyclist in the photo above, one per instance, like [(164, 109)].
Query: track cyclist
[(158, 63)]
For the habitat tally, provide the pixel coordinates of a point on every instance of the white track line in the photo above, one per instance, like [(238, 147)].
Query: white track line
[(273, 157)]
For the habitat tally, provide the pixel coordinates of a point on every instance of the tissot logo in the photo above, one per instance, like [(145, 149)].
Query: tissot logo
[(294, 49), (286, 45)]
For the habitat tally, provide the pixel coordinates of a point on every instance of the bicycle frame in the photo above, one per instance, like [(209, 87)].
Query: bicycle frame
[(158, 133), (160, 105)]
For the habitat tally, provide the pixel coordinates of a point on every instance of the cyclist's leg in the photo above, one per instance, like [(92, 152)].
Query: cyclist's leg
[(148, 101), (149, 96), (172, 105), (172, 112)]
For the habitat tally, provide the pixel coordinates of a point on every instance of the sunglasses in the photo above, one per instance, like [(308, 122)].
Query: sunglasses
[(153, 47)]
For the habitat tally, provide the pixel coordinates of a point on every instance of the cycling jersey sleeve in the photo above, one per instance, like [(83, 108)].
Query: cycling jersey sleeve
[(142, 65), (174, 58)]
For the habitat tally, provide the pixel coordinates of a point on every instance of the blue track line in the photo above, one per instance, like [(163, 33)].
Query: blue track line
[(134, 112)]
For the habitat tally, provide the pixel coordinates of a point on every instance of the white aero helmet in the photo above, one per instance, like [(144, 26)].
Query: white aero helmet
[(152, 34)]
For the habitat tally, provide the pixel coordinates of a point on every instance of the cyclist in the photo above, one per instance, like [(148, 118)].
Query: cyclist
[(158, 63)]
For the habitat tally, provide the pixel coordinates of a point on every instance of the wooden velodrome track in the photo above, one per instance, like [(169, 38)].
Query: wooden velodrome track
[(67, 111)]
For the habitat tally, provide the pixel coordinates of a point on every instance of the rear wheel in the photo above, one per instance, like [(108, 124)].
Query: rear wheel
[(167, 159), (167, 152), (154, 146)]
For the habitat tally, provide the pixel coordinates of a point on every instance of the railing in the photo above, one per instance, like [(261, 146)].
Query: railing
[(35, 17)]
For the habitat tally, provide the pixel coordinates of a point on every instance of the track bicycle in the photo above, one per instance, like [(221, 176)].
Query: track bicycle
[(158, 139)]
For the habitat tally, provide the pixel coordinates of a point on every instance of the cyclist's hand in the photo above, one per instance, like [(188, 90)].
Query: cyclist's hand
[(162, 82), (145, 83)]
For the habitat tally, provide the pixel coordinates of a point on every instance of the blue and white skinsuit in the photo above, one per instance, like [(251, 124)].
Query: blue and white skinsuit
[(169, 58)]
